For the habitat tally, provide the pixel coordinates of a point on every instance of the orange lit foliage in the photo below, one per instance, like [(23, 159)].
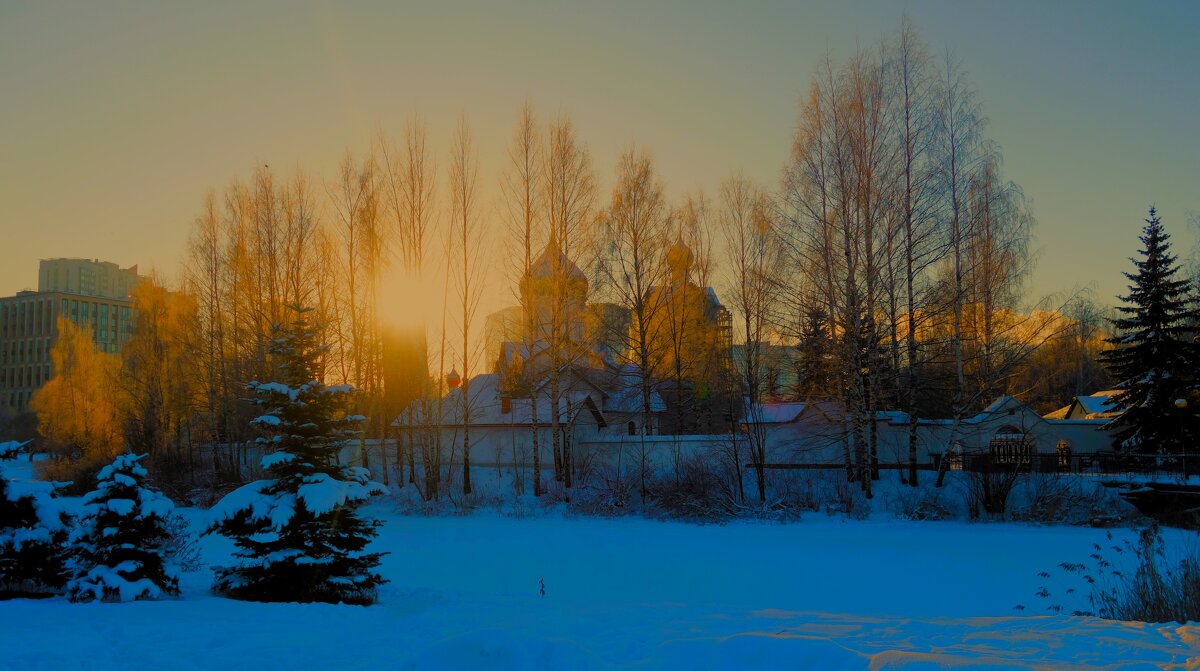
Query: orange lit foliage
[(77, 409), (160, 374)]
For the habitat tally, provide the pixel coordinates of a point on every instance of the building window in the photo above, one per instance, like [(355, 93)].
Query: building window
[(1010, 445), (1063, 450), (632, 428)]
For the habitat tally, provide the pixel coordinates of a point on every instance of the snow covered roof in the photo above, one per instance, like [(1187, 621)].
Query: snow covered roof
[(790, 411), (1099, 404), (1061, 413), (1005, 403), (628, 398), (775, 413), (1000, 403), (625, 393), (488, 408), (892, 416)]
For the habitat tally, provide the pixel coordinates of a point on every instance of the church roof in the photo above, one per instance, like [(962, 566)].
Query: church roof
[(544, 264)]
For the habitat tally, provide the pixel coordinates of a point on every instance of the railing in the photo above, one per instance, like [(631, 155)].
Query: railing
[(1082, 464)]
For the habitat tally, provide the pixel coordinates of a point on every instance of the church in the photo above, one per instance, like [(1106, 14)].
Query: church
[(559, 369)]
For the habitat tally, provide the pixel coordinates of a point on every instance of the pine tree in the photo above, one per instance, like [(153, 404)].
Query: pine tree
[(298, 535), (1154, 353), (813, 352), (119, 544), (33, 533)]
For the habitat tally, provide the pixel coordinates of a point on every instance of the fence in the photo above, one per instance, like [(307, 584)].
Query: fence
[(1081, 464)]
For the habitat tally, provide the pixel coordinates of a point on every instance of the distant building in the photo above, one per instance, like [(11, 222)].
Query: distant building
[(1007, 431), (504, 325), (92, 293), (1098, 405), (87, 277)]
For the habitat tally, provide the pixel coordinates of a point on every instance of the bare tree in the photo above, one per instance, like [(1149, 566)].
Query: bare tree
[(568, 190), (635, 229), (521, 185), (914, 118), (203, 279), (958, 136), (746, 221), (409, 190), (468, 250), (354, 197)]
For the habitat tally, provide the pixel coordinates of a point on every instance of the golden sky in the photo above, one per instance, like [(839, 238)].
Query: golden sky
[(116, 117)]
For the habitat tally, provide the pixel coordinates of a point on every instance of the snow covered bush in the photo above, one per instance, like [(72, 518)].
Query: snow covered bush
[(33, 533), (182, 547), (119, 546), (922, 503), (607, 493), (695, 491), (298, 535), (1069, 499)]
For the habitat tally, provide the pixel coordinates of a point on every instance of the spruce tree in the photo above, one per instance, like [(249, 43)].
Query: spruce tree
[(33, 533), (298, 535), (118, 547), (813, 350), (1154, 353)]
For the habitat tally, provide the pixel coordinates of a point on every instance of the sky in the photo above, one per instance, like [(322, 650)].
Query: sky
[(116, 117)]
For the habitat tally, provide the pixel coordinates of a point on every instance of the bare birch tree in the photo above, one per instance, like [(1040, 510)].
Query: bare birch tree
[(568, 192), (468, 254), (746, 222), (521, 185), (635, 230)]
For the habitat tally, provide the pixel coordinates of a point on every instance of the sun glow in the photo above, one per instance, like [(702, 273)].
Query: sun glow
[(407, 300)]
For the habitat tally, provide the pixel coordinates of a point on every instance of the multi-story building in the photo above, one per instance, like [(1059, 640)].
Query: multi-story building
[(87, 278), (86, 292)]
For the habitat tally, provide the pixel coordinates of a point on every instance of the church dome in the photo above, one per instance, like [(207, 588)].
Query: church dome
[(679, 259), (544, 265)]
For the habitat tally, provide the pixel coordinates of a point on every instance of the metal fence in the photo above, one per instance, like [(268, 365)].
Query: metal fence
[(1180, 465)]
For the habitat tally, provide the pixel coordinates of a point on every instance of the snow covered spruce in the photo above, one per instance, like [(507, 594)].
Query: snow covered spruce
[(33, 532), (298, 535), (1155, 357), (118, 546)]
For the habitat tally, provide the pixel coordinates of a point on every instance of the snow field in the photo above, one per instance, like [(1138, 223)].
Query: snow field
[(629, 593)]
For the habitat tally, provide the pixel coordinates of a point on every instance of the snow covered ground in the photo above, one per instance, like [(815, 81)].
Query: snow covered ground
[(631, 593), (628, 593)]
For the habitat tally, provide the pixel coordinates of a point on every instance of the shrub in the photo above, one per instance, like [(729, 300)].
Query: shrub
[(847, 498), (607, 494), (921, 503), (696, 491), (987, 492), (1157, 591), (1058, 498), (182, 548)]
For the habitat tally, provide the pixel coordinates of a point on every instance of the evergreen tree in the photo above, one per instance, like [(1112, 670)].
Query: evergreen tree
[(1154, 353), (298, 535), (33, 532), (118, 546), (814, 350)]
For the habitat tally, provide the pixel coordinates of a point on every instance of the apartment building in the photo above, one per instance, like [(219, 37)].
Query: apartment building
[(89, 293)]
